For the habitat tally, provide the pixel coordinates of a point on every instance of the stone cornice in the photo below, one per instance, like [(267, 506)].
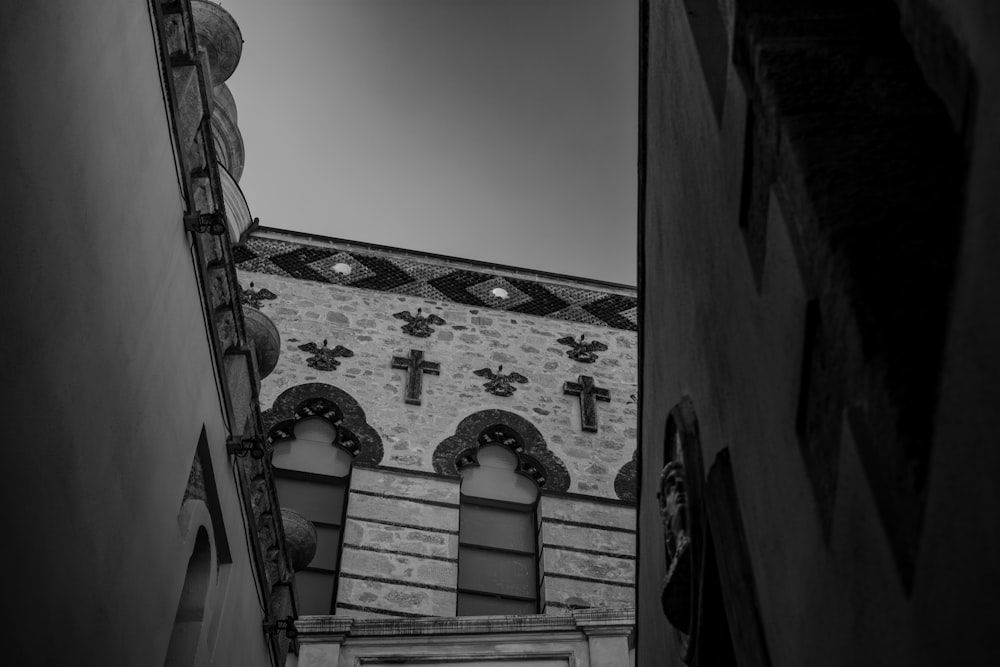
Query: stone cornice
[(326, 629)]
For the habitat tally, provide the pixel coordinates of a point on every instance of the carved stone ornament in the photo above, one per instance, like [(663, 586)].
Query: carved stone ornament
[(337, 407), (415, 366), (418, 325), (584, 352), (499, 383), (499, 434), (589, 394), (684, 533), (510, 430), (254, 298), (325, 358)]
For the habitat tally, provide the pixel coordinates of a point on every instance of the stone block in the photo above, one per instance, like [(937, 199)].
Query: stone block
[(411, 513), (613, 543), (410, 486), (560, 590), (395, 597), (405, 540), (398, 567), (606, 568), (572, 509)]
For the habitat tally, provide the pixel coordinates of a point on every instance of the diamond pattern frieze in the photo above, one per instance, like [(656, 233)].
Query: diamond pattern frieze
[(499, 293), (437, 281), (342, 269)]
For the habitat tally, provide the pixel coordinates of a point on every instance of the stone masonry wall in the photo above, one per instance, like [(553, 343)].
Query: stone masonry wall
[(400, 545), (400, 550), (471, 339)]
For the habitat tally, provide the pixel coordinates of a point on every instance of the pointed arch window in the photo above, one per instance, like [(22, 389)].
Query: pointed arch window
[(498, 530), (312, 467)]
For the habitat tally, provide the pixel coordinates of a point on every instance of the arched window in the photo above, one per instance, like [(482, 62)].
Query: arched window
[(498, 529), (186, 634), (312, 475)]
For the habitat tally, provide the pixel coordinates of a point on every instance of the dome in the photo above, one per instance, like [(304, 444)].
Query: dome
[(224, 98), (227, 137), (300, 538), (266, 339), (237, 212), (220, 35)]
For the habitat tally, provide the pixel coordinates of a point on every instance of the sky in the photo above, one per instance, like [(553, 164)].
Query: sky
[(497, 130)]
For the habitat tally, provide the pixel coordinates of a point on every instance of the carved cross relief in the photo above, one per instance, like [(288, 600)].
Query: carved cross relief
[(589, 394), (415, 367)]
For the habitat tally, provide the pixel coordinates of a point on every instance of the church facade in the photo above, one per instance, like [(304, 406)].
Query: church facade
[(819, 378), (462, 437)]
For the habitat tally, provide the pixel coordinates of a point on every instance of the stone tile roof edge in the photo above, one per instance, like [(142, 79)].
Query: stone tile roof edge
[(478, 266), (314, 626)]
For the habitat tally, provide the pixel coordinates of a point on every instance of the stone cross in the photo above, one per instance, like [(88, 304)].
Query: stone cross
[(415, 367), (588, 393)]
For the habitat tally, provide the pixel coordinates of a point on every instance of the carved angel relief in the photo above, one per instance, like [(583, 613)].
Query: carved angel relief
[(418, 325), (500, 383), (582, 351), (324, 358), (253, 298)]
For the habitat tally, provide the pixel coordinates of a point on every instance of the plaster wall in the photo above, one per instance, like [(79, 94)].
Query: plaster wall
[(106, 361), (710, 336)]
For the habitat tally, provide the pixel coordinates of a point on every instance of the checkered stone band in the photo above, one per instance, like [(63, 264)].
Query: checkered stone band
[(410, 276)]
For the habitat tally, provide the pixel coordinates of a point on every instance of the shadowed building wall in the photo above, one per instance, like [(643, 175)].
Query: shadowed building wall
[(819, 289)]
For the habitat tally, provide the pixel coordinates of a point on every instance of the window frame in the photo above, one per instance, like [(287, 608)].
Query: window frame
[(529, 509), (343, 481)]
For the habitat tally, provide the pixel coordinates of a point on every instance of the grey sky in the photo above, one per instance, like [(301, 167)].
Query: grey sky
[(497, 130)]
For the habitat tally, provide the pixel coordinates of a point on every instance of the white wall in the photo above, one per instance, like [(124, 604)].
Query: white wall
[(105, 357)]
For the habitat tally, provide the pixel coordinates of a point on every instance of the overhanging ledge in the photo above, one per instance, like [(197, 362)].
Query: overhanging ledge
[(318, 629)]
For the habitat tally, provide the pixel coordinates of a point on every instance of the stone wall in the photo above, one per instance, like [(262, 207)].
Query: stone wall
[(400, 549), (400, 545), (588, 554), (471, 339)]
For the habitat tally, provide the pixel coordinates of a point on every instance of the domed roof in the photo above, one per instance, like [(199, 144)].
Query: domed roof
[(224, 98), (300, 538), (237, 210), (225, 132), (266, 339), (220, 35)]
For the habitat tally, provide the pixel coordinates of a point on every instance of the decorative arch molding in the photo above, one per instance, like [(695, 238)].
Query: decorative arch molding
[(626, 480), (512, 431), (317, 399)]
